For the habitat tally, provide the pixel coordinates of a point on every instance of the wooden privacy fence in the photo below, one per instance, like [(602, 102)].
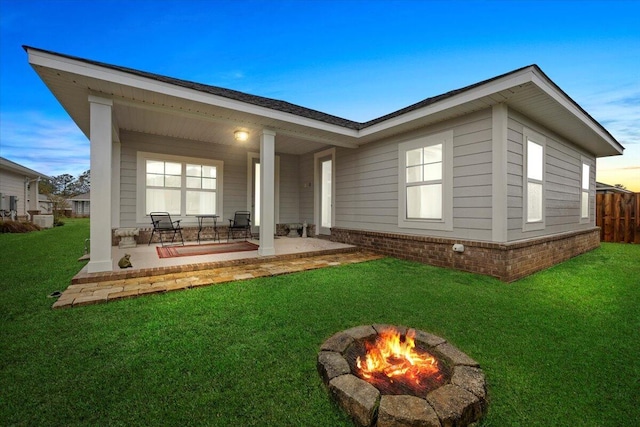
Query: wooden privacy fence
[(618, 216)]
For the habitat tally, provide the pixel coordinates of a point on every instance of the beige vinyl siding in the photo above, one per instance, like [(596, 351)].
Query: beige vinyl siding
[(12, 184), (472, 172), (305, 187), (367, 187), (289, 192), (235, 173), (367, 181), (563, 169)]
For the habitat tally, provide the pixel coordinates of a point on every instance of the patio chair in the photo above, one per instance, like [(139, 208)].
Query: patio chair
[(163, 225), (241, 222)]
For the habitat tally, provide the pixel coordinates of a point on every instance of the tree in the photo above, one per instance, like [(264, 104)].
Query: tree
[(60, 184), (620, 186), (66, 185), (45, 186), (58, 204), (81, 185)]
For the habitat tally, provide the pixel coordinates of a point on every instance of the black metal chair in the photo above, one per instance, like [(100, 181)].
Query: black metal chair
[(162, 224), (241, 222)]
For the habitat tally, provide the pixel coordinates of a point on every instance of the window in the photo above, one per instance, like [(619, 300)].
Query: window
[(179, 185), (425, 182), (584, 193), (534, 182)]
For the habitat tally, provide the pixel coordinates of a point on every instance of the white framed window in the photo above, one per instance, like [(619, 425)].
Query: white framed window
[(534, 181), (425, 182), (182, 186), (584, 191)]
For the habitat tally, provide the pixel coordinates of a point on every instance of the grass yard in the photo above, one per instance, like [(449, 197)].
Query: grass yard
[(561, 347)]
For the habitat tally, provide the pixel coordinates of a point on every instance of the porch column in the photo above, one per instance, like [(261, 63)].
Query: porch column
[(267, 192), (100, 163)]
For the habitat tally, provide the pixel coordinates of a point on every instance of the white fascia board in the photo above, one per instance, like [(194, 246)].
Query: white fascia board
[(487, 89), (561, 98), (69, 65)]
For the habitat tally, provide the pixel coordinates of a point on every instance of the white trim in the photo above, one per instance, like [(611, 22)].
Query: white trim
[(499, 187), (446, 222), (142, 156), (539, 139), (331, 152), (588, 162)]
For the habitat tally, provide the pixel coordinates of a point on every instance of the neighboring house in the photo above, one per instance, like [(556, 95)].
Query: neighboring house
[(80, 205), (18, 189), (602, 188), (504, 169)]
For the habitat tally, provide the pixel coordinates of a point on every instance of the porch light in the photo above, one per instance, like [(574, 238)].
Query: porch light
[(241, 135)]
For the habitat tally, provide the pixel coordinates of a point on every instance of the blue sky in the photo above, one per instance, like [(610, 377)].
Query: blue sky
[(354, 59)]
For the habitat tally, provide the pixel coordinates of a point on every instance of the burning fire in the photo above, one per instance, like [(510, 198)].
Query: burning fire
[(394, 358)]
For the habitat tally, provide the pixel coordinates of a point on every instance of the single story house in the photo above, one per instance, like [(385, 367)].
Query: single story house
[(497, 177), (602, 188), (19, 190), (80, 205)]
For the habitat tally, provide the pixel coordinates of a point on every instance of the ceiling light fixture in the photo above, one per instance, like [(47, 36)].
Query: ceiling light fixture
[(241, 135)]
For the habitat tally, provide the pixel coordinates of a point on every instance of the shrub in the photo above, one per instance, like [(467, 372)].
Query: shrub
[(17, 227)]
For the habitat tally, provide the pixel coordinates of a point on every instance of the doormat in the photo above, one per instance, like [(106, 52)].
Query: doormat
[(191, 250)]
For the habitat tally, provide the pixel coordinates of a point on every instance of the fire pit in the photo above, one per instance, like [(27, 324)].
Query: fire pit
[(383, 375)]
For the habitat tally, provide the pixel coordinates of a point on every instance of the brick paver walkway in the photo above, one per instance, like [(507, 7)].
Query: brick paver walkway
[(105, 291)]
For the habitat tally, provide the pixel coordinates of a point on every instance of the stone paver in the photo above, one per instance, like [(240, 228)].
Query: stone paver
[(111, 290)]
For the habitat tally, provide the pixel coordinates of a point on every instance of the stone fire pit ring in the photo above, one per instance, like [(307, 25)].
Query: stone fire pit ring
[(460, 402)]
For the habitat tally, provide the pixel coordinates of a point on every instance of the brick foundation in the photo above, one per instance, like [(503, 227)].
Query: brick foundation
[(505, 261)]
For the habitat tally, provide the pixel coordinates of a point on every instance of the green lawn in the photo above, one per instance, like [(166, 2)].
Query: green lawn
[(561, 347)]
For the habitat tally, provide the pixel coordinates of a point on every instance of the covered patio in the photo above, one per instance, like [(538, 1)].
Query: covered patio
[(164, 144)]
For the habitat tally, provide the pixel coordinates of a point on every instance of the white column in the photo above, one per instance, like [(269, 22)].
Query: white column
[(267, 192), (100, 163)]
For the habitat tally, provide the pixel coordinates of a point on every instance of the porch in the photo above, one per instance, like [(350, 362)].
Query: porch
[(151, 274)]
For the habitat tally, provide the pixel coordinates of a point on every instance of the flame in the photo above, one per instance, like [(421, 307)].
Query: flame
[(394, 356)]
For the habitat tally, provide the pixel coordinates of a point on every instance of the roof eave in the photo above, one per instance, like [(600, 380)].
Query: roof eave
[(601, 142)]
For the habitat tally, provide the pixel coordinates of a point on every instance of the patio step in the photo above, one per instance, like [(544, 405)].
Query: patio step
[(83, 277), (97, 292)]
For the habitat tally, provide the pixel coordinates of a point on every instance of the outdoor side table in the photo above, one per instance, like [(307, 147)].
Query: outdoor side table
[(202, 224)]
